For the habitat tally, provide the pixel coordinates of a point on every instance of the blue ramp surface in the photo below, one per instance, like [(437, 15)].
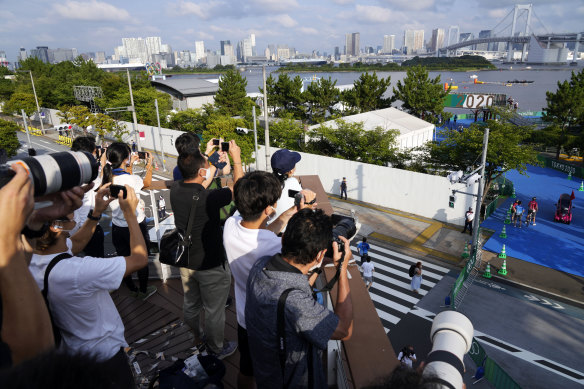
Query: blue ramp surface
[(554, 245)]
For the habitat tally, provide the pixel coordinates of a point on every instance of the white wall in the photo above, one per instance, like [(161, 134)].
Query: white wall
[(421, 194)]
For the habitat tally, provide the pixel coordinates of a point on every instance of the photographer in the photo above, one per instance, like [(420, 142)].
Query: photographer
[(407, 356), (95, 247), (119, 157), (308, 326), (25, 326), (207, 279), (78, 296), (284, 166), (247, 238)]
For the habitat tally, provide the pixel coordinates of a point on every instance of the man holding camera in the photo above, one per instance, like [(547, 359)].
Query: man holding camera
[(207, 280), (247, 237), (283, 283)]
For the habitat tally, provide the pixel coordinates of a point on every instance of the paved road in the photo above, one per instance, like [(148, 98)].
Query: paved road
[(391, 292)]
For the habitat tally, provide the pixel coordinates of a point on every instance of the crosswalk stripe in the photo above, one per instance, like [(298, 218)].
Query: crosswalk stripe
[(388, 303), (408, 258), (386, 316), (393, 282), (159, 177), (401, 265)]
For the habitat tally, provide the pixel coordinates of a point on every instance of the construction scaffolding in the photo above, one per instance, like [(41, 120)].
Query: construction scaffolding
[(88, 94)]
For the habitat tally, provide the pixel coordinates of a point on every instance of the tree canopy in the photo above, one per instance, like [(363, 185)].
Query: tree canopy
[(321, 97), (285, 96), (421, 96), (8, 138), (231, 98), (367, 93), (506, 150)]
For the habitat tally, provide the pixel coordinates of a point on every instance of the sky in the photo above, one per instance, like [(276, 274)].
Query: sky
[(99, 25)]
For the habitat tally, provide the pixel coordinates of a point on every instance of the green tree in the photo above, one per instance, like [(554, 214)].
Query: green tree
[(421, 96), (8, 138), (321, 97), (221, 126), (144, 102), (367, 93), (286, 133), (231, 98), (351, 141), (191, 120), (285, 96), (19, 101), (506, 150), (78, 115), (565, 108)]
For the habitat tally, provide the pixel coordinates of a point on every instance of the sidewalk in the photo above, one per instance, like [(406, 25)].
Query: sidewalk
[(436, 241)]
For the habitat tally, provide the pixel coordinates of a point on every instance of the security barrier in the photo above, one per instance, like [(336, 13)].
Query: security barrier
[(490, 369), (65, 140)]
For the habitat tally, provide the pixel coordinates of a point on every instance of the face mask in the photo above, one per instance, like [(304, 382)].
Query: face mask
[(319, 264), (207, 173)]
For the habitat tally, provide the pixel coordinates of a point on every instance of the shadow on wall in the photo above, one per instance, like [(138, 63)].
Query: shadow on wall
[(336, 188), (440, 215)]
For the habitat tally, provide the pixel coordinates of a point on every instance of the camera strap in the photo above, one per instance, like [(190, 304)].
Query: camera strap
[(45, 292), (282, 341), (329, 285)]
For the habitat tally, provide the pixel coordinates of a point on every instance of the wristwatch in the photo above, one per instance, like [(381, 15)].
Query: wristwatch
[(91, 217)]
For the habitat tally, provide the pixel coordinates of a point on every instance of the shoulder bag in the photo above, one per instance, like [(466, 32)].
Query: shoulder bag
[(175, 244)]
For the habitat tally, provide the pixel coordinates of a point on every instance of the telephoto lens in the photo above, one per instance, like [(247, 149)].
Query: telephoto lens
[(55, 172), (451, 337)]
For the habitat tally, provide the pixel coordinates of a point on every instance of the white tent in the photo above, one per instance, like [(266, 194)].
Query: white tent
[(413, 131)]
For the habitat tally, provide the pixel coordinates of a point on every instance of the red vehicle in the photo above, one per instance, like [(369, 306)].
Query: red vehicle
[(564, 209)]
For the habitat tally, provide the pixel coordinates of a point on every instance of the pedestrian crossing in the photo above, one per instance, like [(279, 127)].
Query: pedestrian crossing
[(391, 293)]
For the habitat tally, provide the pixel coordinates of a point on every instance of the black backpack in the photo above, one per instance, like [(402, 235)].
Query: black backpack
[(412, 270)]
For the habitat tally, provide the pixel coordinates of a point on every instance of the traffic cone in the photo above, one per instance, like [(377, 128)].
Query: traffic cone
[(503, 254), (508, 219), (155, 165), (581, 188), (503, 270), (570, 176), (513, 194), (487, 273), (465, 254), (503, 233)]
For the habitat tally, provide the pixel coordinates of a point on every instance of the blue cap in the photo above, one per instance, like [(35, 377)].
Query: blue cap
[(284, 160)]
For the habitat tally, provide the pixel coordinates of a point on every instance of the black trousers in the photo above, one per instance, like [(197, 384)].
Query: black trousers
[(120, 372), (121, 241), (95, 246), (467, 224)]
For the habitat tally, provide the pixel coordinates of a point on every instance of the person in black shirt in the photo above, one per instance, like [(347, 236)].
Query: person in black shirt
[(207, 280)]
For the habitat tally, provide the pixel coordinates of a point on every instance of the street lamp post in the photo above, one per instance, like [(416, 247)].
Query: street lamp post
[(266, 125), (26, 128), (135, 121), (160, 134), (476, 221), (255, 138)]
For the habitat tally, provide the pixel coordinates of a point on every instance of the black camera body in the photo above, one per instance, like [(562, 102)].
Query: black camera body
[(344, 226)]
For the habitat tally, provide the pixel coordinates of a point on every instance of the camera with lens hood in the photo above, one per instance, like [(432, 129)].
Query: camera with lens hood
[(451, 336), (56, 172)]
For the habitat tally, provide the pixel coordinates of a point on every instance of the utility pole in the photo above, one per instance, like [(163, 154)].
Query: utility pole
[(255, 137), (476, 221), (135, 121), (37, 102), (26, 127), (266, 125), (160, 134)]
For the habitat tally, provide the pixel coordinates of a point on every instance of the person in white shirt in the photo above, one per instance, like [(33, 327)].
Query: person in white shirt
[(246, 238), (468, 218), (118, 159), (284, 166), (407, 356), (95, 246), (78, 292), (368, 270)]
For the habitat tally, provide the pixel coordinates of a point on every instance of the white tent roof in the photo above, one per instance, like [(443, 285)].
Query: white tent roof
[(387, 119)]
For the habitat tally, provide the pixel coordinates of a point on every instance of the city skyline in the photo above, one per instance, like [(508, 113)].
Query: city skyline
[(91, 26)]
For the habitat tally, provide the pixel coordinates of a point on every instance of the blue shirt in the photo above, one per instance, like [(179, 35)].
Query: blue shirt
[(519, 210), (363, 247), (176, 174)]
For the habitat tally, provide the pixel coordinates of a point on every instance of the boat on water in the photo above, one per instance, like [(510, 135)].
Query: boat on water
[(520, 82)]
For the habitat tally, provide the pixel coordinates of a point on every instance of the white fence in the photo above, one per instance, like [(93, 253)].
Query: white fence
[(421, 194)]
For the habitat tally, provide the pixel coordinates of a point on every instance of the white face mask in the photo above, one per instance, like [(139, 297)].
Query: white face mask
[(319, 264), (207, 173)]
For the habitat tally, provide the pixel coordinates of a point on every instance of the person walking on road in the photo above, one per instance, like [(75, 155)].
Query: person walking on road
[(407, 356), (363, 248), (518, 214), (468, 218), (368, 270), (416, 283), (344, 188), (532, 209)]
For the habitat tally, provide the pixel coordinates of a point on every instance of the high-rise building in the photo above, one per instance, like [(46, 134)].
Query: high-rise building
[(199, 50), (223, 43), (388, 44), (352, 44), (484, 34), (283, 52), (245, 48), (22, 55), (41, 52), (413, 41), (253, 44), (453, 35), (437, 39), (153, 46), (466, 36), (61, 55)]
